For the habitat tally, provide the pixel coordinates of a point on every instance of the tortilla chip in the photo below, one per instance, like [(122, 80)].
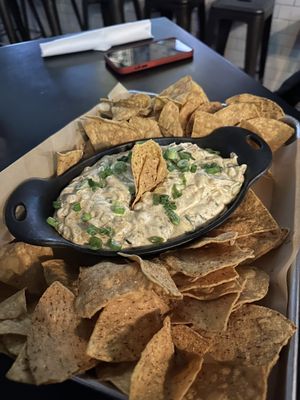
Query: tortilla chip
[(104, 133), (13, 343), (105, 281), (274, 132), (183, 89), (183, 370), (20, 370), (210, 316), (249, 218), (156, 271), (262, 243), (205, 123), (57, 340), (210, 107), (6, 291), (148, 166), (218, 381), (18, 326), (188, 108), (66, 160), (256, 284), (14, 306), (118, 374), (58, 270), (169, 120), (88, 150), (222, 238), (267, 108), (135, 104), (254, 336), (125, 326), (149, 376), (20, 266), (235, 113), (213, 279), (186, 339), (214, 292), (205, 260), (146, 127)]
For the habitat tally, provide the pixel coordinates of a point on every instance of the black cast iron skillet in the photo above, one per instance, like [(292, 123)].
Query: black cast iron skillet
[(36, 195)]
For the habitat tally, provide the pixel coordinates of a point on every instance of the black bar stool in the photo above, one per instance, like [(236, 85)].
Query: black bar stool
[(13, 21), (112, 11), (7, 22), (256, 14), (182, 9)]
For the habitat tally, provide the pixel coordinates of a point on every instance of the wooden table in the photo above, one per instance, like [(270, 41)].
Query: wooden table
[(39, 96)]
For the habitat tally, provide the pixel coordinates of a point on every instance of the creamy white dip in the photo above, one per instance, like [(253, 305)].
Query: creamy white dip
[(94, 209)]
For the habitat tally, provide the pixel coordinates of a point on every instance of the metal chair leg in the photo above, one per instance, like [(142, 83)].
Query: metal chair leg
[(51, 17), (7, 22), (76, 11), (37, 17), (201, 20), (137, 9), (254, 34), (264, 48), (15, 10)]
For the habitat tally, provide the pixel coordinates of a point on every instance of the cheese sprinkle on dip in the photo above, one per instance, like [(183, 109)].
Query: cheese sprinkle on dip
[(95, 208)]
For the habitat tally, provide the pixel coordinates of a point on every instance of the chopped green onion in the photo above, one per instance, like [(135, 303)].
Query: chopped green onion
[(171, 166), (183, 165), (76, 207), (102, 183), (156, 239), (163, 199), (125, 158), (171, 154), (175, 192), (107, 231), (86, 217), (131, 189), (105, 172), (92, 230), (95, 243), (156, 199), (119, 167), (212, 151), (93, 184), (212, 168), (171, 205), (113, 245), (117, 208), (52, 222), (173, 217), (183, 179), (56, 204), (193, 168), (185, 155)]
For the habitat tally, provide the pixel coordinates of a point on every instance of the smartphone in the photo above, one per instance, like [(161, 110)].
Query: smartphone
[(147, 55)]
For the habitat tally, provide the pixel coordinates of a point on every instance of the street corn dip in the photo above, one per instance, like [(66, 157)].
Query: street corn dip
[(95, 208)]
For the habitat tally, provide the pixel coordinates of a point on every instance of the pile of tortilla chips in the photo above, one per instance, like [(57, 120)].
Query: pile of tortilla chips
[(179, 326), (182, 109)]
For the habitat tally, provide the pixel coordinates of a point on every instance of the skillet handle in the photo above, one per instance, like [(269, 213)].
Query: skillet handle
[(252, 150), (27, 209)]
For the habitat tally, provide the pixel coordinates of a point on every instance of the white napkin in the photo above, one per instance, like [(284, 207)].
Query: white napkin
[(99, 39)]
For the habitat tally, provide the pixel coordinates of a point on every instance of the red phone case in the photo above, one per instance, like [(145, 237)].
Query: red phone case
[(150, 63)]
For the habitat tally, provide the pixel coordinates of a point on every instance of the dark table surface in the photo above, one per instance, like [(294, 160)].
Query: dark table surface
[(39, 96)]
